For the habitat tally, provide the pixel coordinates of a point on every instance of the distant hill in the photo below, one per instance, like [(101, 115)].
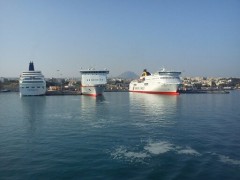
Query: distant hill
[(128, 75)]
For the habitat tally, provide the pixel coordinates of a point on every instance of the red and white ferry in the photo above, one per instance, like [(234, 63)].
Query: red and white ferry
[(93, 82), (161, 82)]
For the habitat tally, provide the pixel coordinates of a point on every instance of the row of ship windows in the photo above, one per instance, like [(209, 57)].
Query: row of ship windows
[(35, 78), (32, 82), (32, 72), (32, 75), (95, 72), (145, 84), (94, 79), (33, 87)]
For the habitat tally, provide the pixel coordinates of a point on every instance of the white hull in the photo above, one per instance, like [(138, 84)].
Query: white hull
[(162, 82), (32, 91), (154, 88), (96, 90), (93, 82)]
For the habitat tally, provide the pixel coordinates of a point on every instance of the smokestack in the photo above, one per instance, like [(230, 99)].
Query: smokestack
[(31, 66)]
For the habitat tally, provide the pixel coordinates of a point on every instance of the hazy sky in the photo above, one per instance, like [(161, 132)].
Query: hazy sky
[(198, 37)]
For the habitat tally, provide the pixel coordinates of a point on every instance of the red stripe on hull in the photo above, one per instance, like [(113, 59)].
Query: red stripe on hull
[(92, 95), (153, 92)]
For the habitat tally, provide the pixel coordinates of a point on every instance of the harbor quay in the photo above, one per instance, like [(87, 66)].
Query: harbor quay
[(71, 86), (94, 82)]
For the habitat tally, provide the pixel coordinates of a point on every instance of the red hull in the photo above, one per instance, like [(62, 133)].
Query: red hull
[(92, 95)]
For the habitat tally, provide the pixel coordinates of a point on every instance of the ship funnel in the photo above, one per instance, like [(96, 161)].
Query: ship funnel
[(31, 66)]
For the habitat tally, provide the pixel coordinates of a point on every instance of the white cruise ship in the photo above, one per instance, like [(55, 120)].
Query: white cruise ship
[(161, 82), (31, 82), (93, 82)]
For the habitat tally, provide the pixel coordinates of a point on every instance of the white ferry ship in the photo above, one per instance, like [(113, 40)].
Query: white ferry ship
[(31, 82), (161, 82), (93, 82)]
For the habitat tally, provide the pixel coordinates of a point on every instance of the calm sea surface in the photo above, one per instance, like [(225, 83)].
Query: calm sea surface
[(120, 136)]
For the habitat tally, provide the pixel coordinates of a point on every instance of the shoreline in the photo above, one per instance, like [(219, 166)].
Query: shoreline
[(62, 93)]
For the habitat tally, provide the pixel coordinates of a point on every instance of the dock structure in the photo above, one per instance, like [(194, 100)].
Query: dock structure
[(58, 93), (200, 91)]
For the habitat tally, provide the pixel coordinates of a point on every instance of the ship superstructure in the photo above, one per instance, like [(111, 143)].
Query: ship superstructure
[(93, 82), (31, 82)]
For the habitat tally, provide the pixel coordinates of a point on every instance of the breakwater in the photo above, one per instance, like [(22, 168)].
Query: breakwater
[(58, 93)]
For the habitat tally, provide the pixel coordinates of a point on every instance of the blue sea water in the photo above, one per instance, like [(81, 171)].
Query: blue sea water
[(120, 136)]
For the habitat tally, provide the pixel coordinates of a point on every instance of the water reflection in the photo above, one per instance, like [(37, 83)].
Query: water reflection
[(93, 110), (159, 109), (91, 101), (33, 111)]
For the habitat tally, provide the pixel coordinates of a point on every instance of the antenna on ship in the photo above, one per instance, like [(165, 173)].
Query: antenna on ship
[(31, 66), (162, 69)]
